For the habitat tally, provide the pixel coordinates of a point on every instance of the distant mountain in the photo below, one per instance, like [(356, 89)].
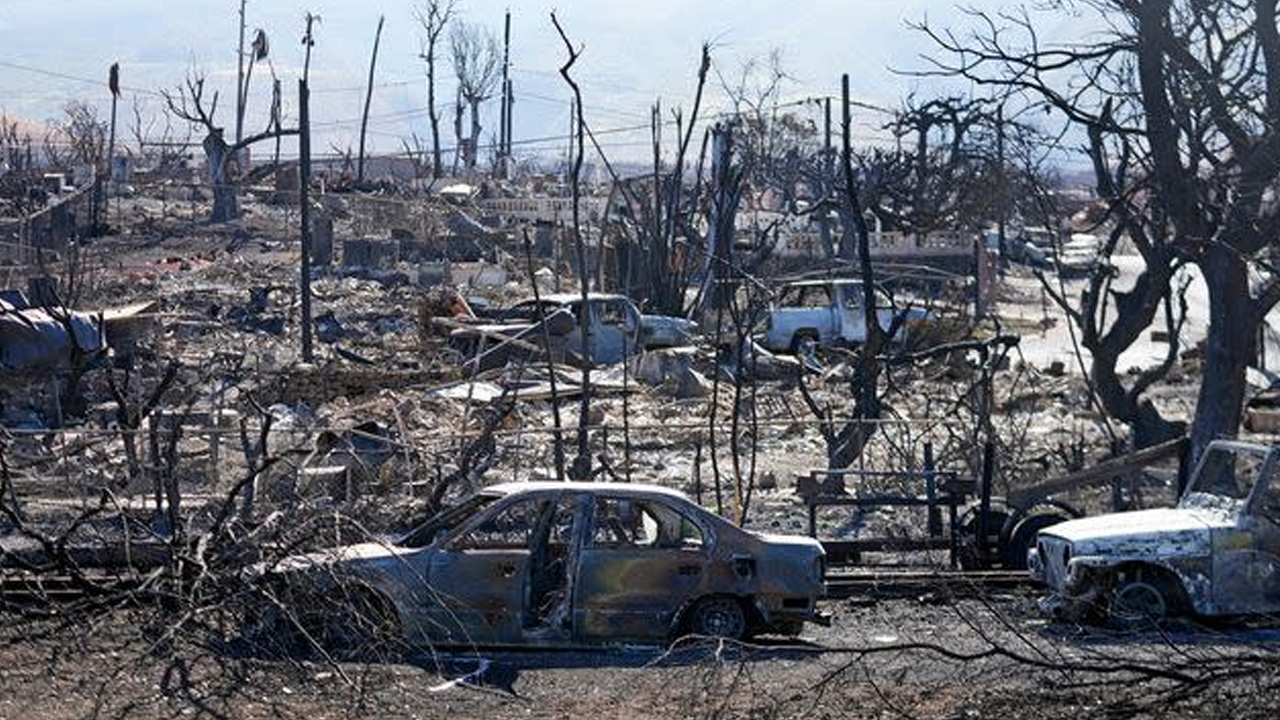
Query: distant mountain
[(34, 129)]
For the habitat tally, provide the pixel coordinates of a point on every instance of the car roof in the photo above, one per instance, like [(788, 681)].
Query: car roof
[(611, 488), (832, 282), (825, 281)]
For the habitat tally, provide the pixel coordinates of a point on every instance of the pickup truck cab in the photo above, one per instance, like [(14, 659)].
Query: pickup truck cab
[(829, 312)]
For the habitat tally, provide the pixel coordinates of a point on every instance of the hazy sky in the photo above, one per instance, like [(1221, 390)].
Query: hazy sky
[(634, 53)]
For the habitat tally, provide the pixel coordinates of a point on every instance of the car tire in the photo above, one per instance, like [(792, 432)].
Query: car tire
[(363, 625), (1142, 597), (720, 616), (970, 556), (800, 338)]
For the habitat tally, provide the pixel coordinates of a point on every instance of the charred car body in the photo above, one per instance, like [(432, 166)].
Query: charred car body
[(556, 564), (1216, 553), (614, 328), (830, 312)]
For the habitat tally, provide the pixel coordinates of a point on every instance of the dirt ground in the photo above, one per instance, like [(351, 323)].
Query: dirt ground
[(925, 657)]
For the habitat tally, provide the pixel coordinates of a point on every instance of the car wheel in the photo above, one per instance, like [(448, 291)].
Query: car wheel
[(800, 339), (721, 617), (1138, 598), (362, 624)]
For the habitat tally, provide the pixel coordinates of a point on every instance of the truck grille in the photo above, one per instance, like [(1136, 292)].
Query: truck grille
[(1053, 556)]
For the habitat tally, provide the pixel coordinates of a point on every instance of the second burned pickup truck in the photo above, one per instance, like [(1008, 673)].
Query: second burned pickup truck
[(1214, 554), (829, 311)]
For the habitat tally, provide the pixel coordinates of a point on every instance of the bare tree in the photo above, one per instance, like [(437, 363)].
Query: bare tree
[(433, 16), (476, 60), (80, 139), (189, 104), (17, 153), (656, 214), (1181, 104), (762, 133), (946, 169)]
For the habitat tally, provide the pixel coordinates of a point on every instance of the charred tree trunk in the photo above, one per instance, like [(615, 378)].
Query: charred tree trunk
[(460, 147), (437, 167), (473, 144), (216, 151), (368, 98), (726, 193), (1230, 349)]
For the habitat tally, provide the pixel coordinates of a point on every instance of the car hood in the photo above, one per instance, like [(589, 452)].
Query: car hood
[(792, 541), (1163, 531), (505, 328), (668, 321), (360, 553)]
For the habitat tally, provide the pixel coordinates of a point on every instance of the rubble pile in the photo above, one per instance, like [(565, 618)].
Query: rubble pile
[(393, 405)]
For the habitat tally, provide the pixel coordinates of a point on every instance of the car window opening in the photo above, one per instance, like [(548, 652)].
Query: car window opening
[(443, 522)]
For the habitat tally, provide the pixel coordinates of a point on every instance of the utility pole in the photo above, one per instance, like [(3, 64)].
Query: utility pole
[(828, 171), (304, 185), (240, 79), (1003, 190), (511, 101), (504, 111), (368, 97), (113, 82)]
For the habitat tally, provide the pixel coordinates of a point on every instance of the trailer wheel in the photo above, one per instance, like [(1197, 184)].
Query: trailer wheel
[(971, 556), (1015, 545)]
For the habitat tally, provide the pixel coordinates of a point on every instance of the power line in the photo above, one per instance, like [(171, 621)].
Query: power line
[(76, 78), (362, 88)]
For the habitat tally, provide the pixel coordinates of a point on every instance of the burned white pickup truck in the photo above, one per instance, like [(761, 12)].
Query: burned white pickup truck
[(1216, 553), (829, 311)]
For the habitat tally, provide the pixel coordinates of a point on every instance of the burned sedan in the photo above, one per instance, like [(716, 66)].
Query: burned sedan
[(557, 564), (1216, 553)]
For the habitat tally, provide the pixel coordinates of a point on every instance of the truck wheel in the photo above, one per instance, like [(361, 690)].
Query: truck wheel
[(800, 338), (1141, 596), (721, 617)]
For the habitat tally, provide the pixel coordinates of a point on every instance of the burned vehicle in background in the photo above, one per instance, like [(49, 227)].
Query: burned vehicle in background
[(829, 311), (614, 328), (554, 564), (1216, 553)]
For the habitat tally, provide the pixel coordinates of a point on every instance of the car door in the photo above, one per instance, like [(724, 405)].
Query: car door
[(886, 311), (848, 305), (614, 330), (477, 578), (641, 561)]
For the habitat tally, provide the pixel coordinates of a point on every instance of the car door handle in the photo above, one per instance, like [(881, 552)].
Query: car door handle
[(688, 569), (507, 569)]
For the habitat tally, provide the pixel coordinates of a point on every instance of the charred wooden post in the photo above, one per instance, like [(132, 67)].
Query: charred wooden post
[(368, 98), (304, 191)]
